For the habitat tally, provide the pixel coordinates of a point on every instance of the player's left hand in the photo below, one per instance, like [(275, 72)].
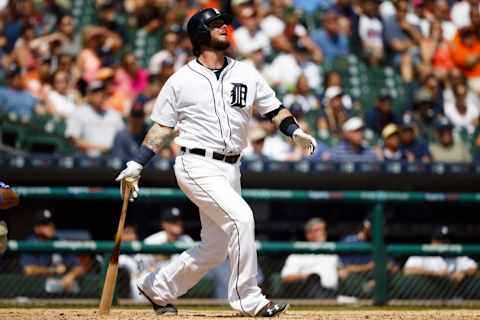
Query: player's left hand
[(304, 140), (131, 175)]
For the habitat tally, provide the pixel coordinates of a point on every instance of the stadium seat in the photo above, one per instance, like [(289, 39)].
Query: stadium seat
[(12, 134)]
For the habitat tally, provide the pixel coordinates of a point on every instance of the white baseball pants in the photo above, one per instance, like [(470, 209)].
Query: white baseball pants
[(227, 229)]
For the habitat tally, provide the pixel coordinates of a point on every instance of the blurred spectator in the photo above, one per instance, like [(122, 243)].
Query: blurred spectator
[(171, 223), (284, 30), (423, 113), (311, 275), (130, 78), (460, 12), (357, 263), (99, 44), (448, 149), (462, 110), (285, 69), (352, 147), (117, 100), (170, 54), (257, 60), (381, 114), (257, 142), (333, 78), (332, 43), (302, 99), (8, 199), (249, 37), (333, 115), (276, 147), (313, 6), (128, 141), (403, 39), (155, 83), (14, 98), (369, 31), (3, 237), (3, 38), (442, 62), (68, 41), (61, 99), (454, 268), (415, 148), (62, 270), (134, 264), (391, 150), (465, 51), (108, 13), (298, 35), (24, 55), (92, 127)]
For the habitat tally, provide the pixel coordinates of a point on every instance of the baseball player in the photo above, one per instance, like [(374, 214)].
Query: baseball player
[(210, 102)]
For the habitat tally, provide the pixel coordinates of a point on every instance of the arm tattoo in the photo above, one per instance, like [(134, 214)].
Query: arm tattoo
[(158, 137)]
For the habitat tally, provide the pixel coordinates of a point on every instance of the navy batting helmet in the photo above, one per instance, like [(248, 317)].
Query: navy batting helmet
[(197, 26)]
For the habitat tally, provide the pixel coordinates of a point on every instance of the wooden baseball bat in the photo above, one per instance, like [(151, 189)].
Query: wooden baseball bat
[(111, 277)]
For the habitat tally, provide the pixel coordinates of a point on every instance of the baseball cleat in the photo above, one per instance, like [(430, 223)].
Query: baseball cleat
[(166, 310), (272, 309)]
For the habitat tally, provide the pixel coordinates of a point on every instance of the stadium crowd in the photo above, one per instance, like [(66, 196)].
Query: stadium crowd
[(371, 80)]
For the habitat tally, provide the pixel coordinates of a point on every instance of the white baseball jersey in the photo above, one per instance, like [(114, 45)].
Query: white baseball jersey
[(213, 114)]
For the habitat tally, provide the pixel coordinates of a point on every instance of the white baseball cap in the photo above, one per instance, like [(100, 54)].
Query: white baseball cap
[(353, 124), (331, 93)]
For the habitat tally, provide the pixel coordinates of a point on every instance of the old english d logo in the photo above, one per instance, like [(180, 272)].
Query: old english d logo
[(239, 95)]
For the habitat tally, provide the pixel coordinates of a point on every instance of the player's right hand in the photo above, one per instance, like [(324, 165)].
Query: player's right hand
[(131, 175)]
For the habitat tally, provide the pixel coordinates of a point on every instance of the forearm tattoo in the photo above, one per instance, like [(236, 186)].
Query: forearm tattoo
[(158, 137)]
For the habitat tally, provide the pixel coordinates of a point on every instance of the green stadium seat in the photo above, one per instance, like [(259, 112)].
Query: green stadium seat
[(12, 134)]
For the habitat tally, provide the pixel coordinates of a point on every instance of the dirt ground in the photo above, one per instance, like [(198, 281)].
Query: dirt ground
[(292, 314)]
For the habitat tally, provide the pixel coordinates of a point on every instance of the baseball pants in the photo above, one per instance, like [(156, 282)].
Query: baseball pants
[(227, 229)]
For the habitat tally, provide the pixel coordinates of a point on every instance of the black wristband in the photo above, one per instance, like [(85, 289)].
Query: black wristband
[(270, 115), (288, 126), (144, 155)]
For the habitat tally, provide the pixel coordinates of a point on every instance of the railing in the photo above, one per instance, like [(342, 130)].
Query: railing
[(381, 252)]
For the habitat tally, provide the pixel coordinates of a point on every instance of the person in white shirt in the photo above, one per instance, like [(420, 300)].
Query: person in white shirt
[(136, 265), (61, 99), (285, 70), (461, 107), (460, 13), (92, 127), (249, 37), (454, 268), (311, 275), (370, 32), (170, 54)]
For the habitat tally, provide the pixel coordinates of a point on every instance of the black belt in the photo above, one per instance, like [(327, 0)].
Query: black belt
[(215, 155)]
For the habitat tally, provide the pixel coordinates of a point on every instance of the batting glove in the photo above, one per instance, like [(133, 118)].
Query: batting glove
[(304, 140), (130, 175)]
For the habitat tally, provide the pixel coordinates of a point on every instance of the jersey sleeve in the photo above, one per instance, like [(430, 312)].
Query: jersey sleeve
[(265, 98), (164, 111)]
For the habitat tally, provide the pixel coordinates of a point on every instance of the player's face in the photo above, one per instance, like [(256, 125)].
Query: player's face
[(218, 35)]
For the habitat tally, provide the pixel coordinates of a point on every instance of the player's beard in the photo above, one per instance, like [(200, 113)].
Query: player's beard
[(219, 44)]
